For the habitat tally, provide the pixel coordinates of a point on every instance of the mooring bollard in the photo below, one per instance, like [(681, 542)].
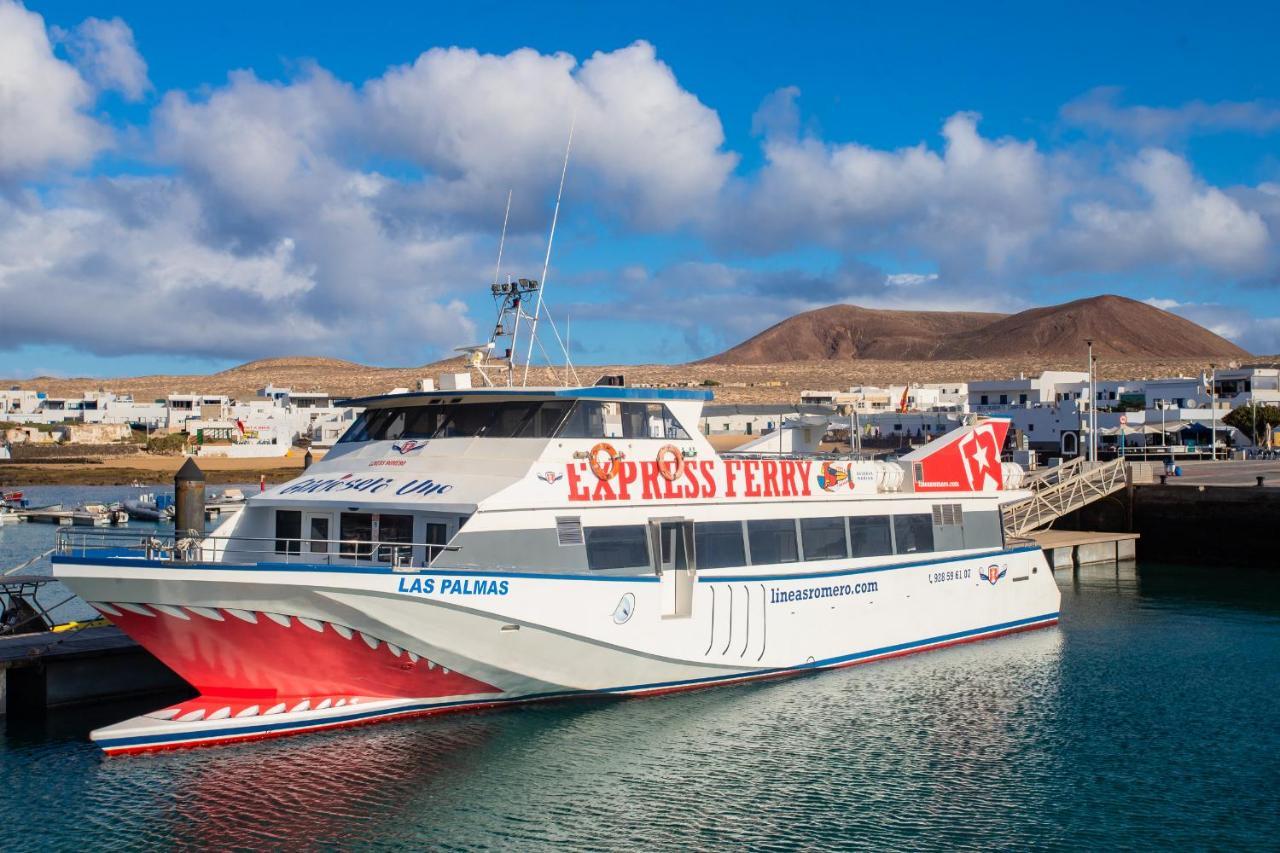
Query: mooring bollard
[(1164, 479), (188, 498), (1261, 479), (307, 460)]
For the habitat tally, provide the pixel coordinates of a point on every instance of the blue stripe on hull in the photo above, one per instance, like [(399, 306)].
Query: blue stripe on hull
[(213, 735), (99, 560)]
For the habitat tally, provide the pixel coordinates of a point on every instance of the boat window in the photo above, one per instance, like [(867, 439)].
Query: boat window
[(511, 419), (913, 533), (823, 538), (618, 547), (593, 419), (719, 544), (356, 533), (870, 535), (609, 419), (773, 540), (395, 532), (288, 531)]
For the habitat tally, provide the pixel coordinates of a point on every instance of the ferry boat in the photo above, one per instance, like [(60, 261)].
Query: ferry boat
[(488, 546)]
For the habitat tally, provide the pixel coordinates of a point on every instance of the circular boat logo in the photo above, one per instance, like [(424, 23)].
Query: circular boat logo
[(626, 607)]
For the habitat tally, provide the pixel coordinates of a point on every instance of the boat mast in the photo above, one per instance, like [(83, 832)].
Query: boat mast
[(555, 216)]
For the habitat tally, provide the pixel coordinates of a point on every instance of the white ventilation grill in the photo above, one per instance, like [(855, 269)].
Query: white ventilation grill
[(947, 515), (569, 530)]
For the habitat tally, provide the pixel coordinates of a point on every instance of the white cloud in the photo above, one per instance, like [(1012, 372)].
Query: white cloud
[(42, 102), (317, 215), (646, 149), (1099, 108), (1247, 327), (1177, 220), (978, 205), (105, 53), (909, 279)]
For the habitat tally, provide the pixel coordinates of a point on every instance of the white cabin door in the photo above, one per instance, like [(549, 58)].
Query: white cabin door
[(674, 561)]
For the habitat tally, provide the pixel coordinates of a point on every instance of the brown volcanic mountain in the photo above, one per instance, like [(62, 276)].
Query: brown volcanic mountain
[(1119, 327), (848, 331)]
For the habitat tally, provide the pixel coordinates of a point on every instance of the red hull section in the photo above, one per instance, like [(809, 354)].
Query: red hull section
[(241, 659)]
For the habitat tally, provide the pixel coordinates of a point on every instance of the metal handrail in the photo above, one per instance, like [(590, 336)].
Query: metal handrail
[(1051, 501), (183, 548)]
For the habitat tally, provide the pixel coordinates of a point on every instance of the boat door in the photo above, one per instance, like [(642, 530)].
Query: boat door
[(316, 527), (675, 563)]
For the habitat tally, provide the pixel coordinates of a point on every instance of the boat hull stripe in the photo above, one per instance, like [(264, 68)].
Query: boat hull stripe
[(362, 570)]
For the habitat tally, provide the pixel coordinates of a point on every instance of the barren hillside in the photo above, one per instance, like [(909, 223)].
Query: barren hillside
[(1119, 327)]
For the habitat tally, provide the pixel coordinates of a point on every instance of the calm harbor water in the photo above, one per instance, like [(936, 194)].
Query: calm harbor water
[(1148, 718)]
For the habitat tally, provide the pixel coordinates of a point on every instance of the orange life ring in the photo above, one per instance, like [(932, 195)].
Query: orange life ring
[(611, 457), (674, 462)]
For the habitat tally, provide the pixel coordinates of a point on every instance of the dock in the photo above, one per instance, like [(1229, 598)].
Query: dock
[(50, 670), (1068, 549), (62, 517)]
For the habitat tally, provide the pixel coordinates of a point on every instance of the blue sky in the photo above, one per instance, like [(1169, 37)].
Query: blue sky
[(188, 191)]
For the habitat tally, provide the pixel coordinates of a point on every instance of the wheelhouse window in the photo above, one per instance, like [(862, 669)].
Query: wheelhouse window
[(913, 533), (870, 535), (288, 531), (610, 419), (823, 538), (773, 540), (719, 544), (618, 547), (509, 419)]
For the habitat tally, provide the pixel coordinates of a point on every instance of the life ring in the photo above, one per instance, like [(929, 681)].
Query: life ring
[(605, 468), (670, 462)]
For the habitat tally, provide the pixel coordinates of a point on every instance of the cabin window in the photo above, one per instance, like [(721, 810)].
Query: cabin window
[(913, 533), (356, 533), (719, 544), (823, 538), (773, 540), (870, 535), (511, 419), (609, 419), (288, 531), (622, 546), (395, 533)]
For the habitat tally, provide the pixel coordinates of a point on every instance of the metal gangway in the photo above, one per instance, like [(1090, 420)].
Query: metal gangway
[(1062, 489)]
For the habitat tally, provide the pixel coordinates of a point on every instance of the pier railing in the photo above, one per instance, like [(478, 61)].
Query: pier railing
[(246, 550)]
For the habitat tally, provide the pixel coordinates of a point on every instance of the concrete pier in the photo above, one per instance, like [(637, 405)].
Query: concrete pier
[(1225, 525), (50, 670), (1070, 549)]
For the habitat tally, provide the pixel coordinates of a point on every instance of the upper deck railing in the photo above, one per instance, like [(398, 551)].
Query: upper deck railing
[(245, 550)]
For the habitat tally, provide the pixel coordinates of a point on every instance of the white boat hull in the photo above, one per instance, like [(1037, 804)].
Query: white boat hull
[(276, 649)]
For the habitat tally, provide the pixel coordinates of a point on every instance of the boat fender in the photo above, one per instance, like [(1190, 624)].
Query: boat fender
[(670, 462), (605, 461)]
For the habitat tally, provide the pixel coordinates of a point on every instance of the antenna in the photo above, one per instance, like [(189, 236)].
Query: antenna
[(497, 271), (497, 278), (555, 216)]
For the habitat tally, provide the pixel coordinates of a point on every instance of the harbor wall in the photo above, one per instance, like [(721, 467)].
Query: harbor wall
[(1226, 525)]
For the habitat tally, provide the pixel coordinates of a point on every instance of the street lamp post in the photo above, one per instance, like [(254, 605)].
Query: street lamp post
[(1164, 436), (1213, 412), (1093, 419)]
